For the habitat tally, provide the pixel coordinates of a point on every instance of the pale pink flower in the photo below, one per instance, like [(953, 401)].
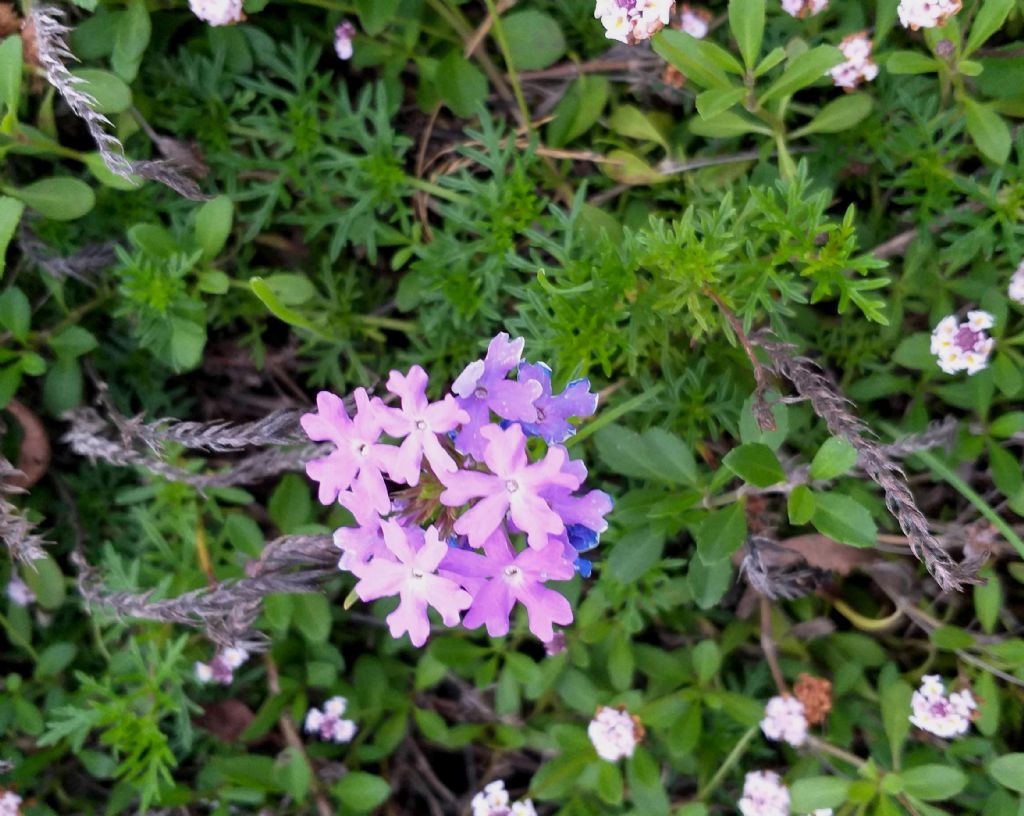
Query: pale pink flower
[(19, 592), (764, 795), (217, 12), (915, 14), (614, 733), (804, 8), (963, 346), (939, 714), (1016, 290), (632, 21), (784, 721), (695, 21), (859, 67), (343, 36)]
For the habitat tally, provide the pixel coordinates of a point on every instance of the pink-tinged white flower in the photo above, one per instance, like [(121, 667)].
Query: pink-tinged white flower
[(614, 733), (695, 21), (418, 422), (217, 12), (19, 592), (939, 714), (554, 411), (1016, 290), (483, 386), (963, 346), (494, 800), (915, 14), (343, 36), (784, 721), (764, 795), (804, 8), (500, 578), (10, 803), (222, 668), (358, 457), (329, 724), (513, 486), (632, 21), (859, 67), (410, 572)]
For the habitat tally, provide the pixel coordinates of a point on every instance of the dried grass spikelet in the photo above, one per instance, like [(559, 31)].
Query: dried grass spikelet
[(816, 695)]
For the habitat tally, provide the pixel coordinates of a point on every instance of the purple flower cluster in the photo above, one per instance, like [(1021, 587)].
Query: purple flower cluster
[(442, 493)]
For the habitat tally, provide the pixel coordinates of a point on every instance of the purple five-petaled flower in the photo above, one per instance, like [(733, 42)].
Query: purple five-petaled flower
[(514, 486), (358, 458), (501, 577), (483, 387), (553, 411), (419, 422), (409, 570)]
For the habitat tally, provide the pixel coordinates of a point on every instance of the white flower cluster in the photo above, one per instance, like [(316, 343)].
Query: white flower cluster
[(859, 67), (804, 8), (915, 14), (764, 795), (963, 346), (1016, 290), (222, 668), (19, 593), (784, 720), (328, 724), (217, 12), (343, 36), (632, 21), (939, 714), (10, 804), (493, 800), (614, 732), (694, 21)]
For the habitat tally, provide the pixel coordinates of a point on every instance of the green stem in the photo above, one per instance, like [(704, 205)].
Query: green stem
[(727, 766), (506, 53)]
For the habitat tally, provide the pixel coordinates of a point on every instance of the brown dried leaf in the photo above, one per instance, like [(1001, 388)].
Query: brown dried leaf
[(226, 719), (34, 457), (824, 553)]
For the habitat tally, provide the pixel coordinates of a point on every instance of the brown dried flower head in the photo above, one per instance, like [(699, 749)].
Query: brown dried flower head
[(816, 695)]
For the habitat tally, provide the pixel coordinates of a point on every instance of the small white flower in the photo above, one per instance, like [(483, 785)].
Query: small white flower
[(314, 719), (963, 346), (234, 657), (859, 67), (19, 592), (932, 685), (614, 733), (915, 14), (804, 8), (204, 674), (328, 724), (695, 21), (784, 720), (491, 799), (1016, 290), (628, 21), (524, 807), (938, 714), (343, 36), (217, 12), (764, 795), (10, 804), (335, 707)]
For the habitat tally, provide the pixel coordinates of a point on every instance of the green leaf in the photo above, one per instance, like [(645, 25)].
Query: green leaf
[(10, 214), (630, 121), (63, 388), (634, 554), (187, 342), (11, 62), (686, 54), (803, 70), (707, 660), (109, 91), (774, 57), (756, 464), (800, 505), (911, 62), (987, 21), (838, 115), (312, 616), (290, 504), (534, 38), (46, 580), (105, 176), (726, 125), (55, 658), (61, 198), (843, 519), (133, 29), (746, 19), (645, 787), (74, 341), (988, 601), (818, 792), (1008, 770), (989, 131), (894, 698), (609, 783), (750, 431), (933, 783), (834, 458), (1007, 425), (951, 638), (1006, 471), (265, 292), (914, 352), (655, 454), (717, 100), (461, 84), (15, 313), (721, 533), (376, 15), (213, 226), (578, 110), (708, 582), (361, 791)]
